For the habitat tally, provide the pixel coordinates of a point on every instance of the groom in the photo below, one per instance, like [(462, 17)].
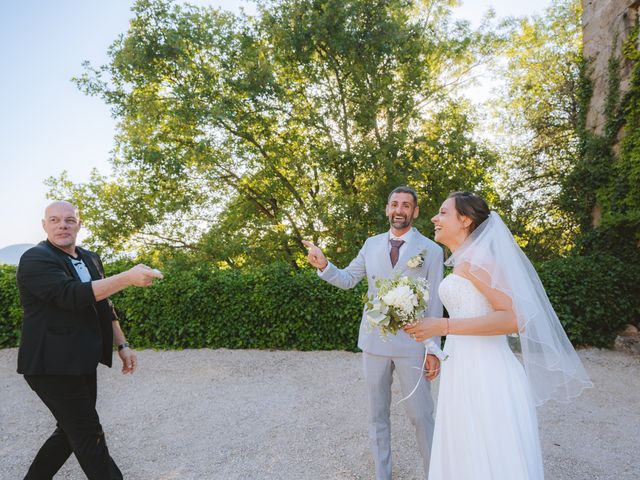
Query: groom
[(386, 256)]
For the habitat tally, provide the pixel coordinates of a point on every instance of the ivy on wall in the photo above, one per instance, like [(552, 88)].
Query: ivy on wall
[(602, 183)]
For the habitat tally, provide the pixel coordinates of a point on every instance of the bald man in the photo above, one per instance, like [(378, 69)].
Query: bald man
[(69, 327)]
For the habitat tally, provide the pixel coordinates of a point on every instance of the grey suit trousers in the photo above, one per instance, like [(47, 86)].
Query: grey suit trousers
[(378, 374)]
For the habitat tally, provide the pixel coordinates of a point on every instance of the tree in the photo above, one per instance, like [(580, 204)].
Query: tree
[(238, 137), (540, 112)]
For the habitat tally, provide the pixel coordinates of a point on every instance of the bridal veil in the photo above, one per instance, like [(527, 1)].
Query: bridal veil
[(551, 363)]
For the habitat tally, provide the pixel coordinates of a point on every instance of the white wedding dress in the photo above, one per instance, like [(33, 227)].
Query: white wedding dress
[(486, 425)]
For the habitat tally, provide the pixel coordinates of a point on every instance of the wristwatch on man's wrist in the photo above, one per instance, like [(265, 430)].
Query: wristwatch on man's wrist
[(123, 345)]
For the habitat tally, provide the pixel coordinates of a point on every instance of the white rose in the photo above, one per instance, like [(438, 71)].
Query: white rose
[(401, 297)]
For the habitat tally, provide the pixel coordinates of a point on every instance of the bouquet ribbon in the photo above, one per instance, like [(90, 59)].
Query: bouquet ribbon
[(438, 353)]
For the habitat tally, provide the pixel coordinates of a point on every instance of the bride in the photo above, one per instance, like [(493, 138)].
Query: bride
[(486, 426)]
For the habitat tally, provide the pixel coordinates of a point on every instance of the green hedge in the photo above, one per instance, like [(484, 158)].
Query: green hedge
[(594, 296), (10, 309), (277, 307), (272, 307)]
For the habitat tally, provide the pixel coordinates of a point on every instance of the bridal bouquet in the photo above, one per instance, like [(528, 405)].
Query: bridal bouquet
[(399, 302)]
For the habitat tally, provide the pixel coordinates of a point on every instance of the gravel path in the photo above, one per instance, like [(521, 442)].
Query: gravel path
[(246, 414)]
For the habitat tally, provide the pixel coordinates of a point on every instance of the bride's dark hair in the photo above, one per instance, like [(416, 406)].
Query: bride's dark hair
[(471, 206)]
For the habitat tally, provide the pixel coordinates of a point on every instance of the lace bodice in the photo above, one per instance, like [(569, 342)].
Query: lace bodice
[(462, 299)]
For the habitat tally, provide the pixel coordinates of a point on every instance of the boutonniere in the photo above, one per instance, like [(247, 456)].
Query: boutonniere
[(418, 260)]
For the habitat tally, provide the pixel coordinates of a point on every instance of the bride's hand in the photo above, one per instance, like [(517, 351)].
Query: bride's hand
[(426, 328)]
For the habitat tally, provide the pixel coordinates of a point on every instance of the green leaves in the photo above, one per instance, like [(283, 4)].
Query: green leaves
[(539, 117), (269, 307), (264, 131), (10, 309), (594, 296), (198, 305), (603, 187)]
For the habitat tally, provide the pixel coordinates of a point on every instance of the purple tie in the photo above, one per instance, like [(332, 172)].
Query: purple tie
[(395, 250)]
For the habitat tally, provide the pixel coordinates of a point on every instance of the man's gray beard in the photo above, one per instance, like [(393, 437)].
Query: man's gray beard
[(404, 224)]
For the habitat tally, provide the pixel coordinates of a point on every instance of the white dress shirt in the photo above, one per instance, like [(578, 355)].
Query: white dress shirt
[(81, 269)]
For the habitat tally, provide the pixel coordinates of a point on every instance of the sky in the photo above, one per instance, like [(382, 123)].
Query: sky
[(48, 126)]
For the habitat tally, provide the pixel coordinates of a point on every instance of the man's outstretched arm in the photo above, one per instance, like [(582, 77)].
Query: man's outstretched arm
[(138, 276), (342, 278)]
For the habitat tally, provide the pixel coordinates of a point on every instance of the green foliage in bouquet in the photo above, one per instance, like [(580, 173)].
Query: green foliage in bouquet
[(399, 302)]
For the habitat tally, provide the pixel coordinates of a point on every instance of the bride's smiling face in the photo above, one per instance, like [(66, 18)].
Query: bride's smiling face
[(451, 228)]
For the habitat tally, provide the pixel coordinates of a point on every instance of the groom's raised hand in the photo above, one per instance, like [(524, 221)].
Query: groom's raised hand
[(315, 256)]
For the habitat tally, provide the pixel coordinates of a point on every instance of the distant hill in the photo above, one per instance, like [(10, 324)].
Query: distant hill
[(12, 253)]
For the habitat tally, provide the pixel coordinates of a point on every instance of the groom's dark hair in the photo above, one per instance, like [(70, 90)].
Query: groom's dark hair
[(405, 189)]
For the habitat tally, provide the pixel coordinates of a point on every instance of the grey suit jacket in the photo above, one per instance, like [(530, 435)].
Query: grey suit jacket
[(374, 261)]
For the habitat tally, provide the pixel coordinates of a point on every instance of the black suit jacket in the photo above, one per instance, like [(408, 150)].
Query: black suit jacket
[(65, 331)]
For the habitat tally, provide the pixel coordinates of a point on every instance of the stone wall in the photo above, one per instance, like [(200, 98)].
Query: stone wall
[(606, 25)]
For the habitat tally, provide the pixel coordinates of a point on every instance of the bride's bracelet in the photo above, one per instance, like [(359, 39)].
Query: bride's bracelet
[(447, 326)]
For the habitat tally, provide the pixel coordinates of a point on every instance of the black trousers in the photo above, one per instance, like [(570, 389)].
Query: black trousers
[(72, 401)]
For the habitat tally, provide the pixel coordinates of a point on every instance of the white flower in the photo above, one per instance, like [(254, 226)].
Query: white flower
[(401, 297), (417, 261), (425, 294), (413, 262)]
